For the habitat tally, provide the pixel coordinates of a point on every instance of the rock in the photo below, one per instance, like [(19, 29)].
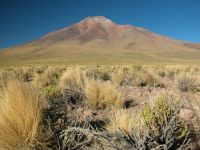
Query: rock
[(186, 114)]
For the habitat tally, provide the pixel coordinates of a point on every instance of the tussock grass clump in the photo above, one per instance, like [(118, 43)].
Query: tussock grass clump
[(48, 77), (98, 74), (147, 78), (72, 77), (101, 94), (20, 117), (71, 85), (170, 74), (3, 79), (40, 69), (124, 120), (161, 73), (118, 77), (187, 83), (24, 74)]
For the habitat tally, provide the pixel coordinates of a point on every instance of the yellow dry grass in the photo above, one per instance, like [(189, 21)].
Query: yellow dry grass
[(187, 82), (20, 116), (101, 94), (73, 76), (118, 77), (123, 119), (46, 78)]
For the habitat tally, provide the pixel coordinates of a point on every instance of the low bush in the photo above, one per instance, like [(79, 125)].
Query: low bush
[(48, 77), (71, 85), (187, 83), (163, 123), (74, 95), (98, 74), (53, 95), (148, 79), (161, 73)]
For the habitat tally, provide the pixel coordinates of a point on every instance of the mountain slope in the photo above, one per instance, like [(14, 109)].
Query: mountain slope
[(98, 40)]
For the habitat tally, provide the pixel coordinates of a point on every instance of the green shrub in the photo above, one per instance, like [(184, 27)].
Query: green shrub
[(53, 94), (164, 124)]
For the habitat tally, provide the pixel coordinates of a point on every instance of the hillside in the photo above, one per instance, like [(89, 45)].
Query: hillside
[(98, 40)]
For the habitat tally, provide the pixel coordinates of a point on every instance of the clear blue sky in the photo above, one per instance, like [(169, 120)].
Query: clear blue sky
[(22, 21)]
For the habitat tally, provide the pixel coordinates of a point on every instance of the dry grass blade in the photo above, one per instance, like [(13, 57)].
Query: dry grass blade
[(20, 116)]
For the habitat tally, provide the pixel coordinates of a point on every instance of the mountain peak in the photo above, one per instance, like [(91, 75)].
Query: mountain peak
[(98, 19), (99, 28)]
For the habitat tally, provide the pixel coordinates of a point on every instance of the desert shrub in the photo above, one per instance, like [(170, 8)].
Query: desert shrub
[(170, 74), (187, 83), (188, 69), (3, 78), (101, 94), (130, 78), (24, 74), (72, 77), (98, 74), (162, 129), (53, 94), (76, 137), (148, 79), (161, 73), (74, 94), (164, 124), (20, 117), (137, 67), (48, 77), (122, 119), (40, 69), (71, 85), (118, 77), (82, 138)]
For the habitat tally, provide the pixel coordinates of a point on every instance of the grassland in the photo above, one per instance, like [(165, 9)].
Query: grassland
[(99, 107), (76, 54)]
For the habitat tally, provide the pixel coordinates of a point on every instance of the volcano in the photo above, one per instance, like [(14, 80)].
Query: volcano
[(98, 40)]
